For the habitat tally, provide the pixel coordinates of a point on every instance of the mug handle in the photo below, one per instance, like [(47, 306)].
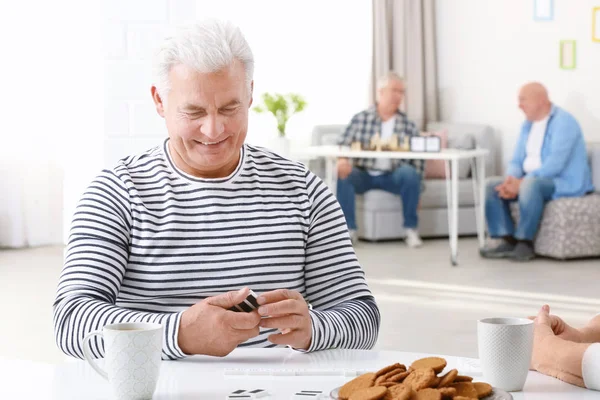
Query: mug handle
[(87, 352)]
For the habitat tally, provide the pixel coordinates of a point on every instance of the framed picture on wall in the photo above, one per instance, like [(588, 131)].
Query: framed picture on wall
[(543, 10), (568, 54), (596, 24)]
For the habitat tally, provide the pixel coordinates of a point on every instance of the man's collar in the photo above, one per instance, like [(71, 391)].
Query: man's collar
[(373, 110)]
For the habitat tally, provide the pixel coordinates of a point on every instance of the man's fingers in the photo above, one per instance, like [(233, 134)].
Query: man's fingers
[(242, 320), (278, 295), (282, 308), (229, 299), (289, 321), (291, 338), (243, 335)]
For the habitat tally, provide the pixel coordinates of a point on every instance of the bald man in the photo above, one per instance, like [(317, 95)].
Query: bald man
[(549, 162)]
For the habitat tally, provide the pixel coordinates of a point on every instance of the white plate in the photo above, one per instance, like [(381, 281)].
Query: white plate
[(497, 394)]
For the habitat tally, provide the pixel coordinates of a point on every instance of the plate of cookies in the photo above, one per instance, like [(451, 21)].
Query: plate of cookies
[(424, 379)]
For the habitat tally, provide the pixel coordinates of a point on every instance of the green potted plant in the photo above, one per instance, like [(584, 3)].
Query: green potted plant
[(282, 107)]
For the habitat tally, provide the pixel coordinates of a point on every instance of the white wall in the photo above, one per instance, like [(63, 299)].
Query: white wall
[(131, 31), (488, 48)]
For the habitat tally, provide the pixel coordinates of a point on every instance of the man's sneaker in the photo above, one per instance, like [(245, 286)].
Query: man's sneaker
[(503, 250), (412, 238), (523, 252), (353, 236)]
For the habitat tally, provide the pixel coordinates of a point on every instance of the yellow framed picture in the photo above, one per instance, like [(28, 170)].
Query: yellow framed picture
[(568, 54), (596, 24)]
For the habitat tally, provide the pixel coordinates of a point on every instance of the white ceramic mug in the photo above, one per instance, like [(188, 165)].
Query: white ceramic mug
[(505, 348), (132, 358)]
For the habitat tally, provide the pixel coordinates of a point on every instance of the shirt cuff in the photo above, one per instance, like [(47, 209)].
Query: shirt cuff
[(514, 172), (590, 367), (317, 332), (171, 335)]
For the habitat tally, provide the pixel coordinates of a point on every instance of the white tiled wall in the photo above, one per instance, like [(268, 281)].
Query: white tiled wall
[(132, 30)]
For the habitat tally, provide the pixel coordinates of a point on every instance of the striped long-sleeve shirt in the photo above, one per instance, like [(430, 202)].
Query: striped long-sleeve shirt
[(148, 241)]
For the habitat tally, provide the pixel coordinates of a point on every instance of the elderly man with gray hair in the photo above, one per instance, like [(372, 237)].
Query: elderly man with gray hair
[(399, 177), (180, 233)]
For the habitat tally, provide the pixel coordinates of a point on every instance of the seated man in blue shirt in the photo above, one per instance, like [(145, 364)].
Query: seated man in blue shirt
[(549, 162)]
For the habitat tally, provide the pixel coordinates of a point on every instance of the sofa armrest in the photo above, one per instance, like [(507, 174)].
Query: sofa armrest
[(323, 135)]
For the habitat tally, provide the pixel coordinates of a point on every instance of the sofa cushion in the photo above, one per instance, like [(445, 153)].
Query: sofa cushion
[(570, 227), (436, 169), (434, 196)]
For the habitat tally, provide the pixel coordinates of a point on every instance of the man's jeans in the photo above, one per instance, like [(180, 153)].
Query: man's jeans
[(534, 193), (403, 181)]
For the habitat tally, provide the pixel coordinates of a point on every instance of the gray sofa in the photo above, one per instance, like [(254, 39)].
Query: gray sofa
[(570, 227), (379, 214)]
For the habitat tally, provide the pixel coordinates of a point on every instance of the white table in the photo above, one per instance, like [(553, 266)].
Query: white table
[(451, 158), (203, 377)]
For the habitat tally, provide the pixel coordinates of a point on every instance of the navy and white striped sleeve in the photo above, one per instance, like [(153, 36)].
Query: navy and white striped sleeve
[(95, 263), (344, 313)]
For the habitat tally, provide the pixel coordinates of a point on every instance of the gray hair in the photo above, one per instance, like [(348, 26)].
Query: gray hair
[(207, 46), (384, 80)]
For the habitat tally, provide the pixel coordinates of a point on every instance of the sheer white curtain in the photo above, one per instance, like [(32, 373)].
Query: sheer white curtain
[(404, 41), (49, 114)]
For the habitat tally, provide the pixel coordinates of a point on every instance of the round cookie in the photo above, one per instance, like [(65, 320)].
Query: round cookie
[(483, 389), (398, 377), (461, 398), (388, 384), (385, 377), (448, 378), (465, 389), (428, 394), (447, 392), (389, 368), (420, 378), (360, 382), (401, 392), (372, 393), (436, 363)]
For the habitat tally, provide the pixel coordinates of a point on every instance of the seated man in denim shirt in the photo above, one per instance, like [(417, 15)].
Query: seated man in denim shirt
[(549, 162), (400, 177)]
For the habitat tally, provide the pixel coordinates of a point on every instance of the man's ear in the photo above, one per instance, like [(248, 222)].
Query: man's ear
[(251, 93), (158, 102)]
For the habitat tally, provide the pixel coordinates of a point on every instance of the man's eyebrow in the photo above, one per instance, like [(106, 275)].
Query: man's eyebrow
[(192, 107), (195, 107), (234, 102)]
